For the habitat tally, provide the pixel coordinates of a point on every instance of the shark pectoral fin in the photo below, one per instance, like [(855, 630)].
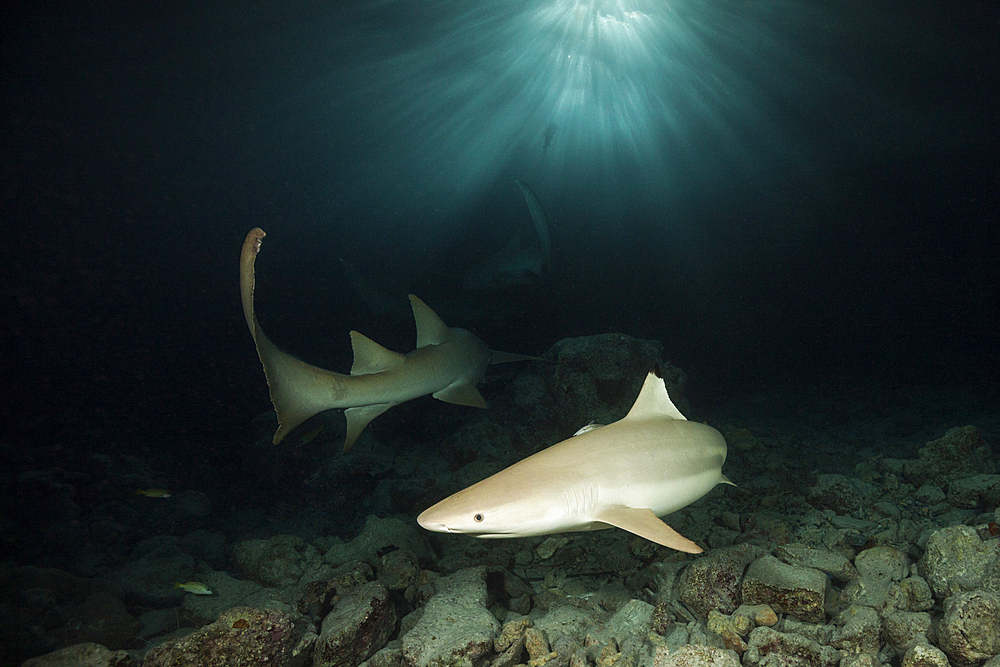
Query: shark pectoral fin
[(507, 357), (461, 394), (370, 357), (431, 330), (644, 523), (359, 418)]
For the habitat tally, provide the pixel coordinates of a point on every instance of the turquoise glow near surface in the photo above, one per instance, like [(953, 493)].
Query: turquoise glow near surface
[(447, 99)]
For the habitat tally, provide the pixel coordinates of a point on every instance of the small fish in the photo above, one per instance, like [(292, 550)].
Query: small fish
[(153, 493), (195, 587)]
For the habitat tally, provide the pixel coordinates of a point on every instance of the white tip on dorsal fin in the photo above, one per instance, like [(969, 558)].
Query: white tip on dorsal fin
[(430, 329), (370, 357), (653, 400)]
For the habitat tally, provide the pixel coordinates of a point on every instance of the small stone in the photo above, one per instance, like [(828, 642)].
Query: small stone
[(549, 546), (535, 643), (924, 655)]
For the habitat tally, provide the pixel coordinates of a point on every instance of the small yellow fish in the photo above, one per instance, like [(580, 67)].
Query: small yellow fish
[(153, 493), (195, 587)]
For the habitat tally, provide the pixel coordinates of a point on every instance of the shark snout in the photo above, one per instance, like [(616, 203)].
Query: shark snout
[(428, 521)]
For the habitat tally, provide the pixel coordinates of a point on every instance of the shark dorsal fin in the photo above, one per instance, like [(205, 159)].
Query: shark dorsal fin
[(370, 357), (430, 329), (653, 401)]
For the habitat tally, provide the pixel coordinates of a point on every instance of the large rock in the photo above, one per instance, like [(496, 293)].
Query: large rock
[(799, 591), (87, 654), (150, 578), (695, 655), (357, 627), (598, 377), (714, 581), (904, 630), (970, 628), (959, 452), (831, 562), (975, 491), (925, 655), (45, 609), (455, 626), (241, 636), (956, 560), (768, 648), (843, 495), (379, 535), (858, 631), (879, 569), (279, 561)]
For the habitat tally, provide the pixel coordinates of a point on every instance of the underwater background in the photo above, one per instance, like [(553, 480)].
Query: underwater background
[(789, 208)]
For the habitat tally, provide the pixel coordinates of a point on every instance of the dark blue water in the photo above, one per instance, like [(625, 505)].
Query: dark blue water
[(787, 195)]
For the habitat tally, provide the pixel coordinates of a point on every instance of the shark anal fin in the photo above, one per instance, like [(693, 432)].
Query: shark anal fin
[(431, 330), (461, 394), (644, 523), (359, 418), (370, 357)]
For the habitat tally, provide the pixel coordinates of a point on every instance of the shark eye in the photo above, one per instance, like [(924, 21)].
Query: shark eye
[(478, 518)]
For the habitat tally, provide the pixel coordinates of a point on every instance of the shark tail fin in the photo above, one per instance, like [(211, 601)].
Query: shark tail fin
[(298, 390)]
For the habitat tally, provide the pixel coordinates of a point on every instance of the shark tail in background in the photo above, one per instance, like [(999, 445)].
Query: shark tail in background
[(298, 390), (540, 220)]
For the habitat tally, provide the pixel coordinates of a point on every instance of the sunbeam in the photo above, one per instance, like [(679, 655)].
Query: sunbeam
[(666, 93)]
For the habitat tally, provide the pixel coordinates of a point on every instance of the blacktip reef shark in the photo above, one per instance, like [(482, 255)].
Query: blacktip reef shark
[(448, 363), (515, 265), (648, 464)]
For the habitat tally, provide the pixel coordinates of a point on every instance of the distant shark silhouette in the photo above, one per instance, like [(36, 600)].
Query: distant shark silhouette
[(448, 363), (514, 265), (550, 132), (645, 465)]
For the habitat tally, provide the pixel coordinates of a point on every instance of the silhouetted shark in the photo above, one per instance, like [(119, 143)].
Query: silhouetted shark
[(548, 134), (515, 264)]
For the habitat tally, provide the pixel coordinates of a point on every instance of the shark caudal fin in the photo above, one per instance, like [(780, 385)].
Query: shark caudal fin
[(298, 390)]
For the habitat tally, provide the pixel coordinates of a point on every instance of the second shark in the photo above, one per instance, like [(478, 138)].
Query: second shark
[(448, 363)]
